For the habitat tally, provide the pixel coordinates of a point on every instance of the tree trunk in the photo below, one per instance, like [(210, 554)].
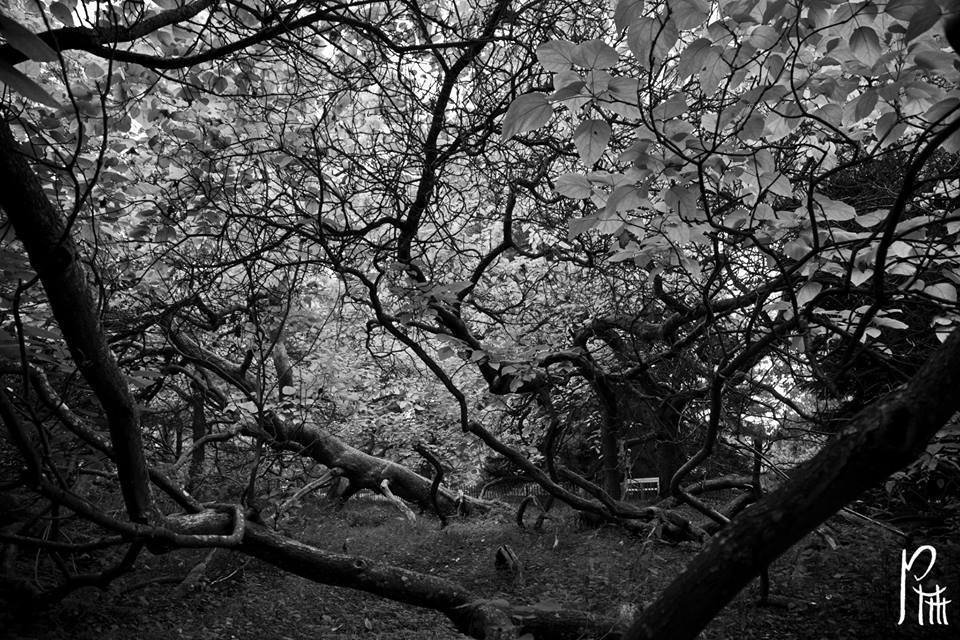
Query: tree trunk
[(198, 428), (56, 259), (363, 471)]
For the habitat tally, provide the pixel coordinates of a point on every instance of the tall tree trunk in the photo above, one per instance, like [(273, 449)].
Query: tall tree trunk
[(56, 259)]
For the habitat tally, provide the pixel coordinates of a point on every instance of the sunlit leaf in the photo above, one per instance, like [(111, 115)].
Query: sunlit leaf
[(884, 321), (859, 276), (943, 291)]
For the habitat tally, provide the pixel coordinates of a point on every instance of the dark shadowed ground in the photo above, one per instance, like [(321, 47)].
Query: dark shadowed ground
[(820, 592)]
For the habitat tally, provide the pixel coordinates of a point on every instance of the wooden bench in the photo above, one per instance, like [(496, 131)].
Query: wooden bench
[(643, 488)]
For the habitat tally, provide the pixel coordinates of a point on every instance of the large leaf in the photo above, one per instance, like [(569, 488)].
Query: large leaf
[(626, 12), (63, 13), (528, 112), (556, 55), (595, 54), (836, 211), (25, 86), (591, 139), (690, 13), (648, 39), (24, 40), (906, 9), (808, 292), (943, 290), (695, 57), (573, 185), (865, 45), (922, 21)]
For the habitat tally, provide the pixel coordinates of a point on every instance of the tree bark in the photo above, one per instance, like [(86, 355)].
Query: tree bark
[(880, 440), (471, 614), (56, 259)]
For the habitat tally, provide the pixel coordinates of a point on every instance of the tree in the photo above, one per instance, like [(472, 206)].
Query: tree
[(695, 255)]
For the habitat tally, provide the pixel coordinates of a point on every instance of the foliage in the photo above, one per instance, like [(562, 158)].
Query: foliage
[(619, 241)]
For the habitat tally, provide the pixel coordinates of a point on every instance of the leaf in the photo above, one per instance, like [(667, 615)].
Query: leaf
[(690, 13), (568, 91), (905, 9), (808, 292), (865, 45), (24, 40), (626, 196), (883, 321), (93, 70), (753, 128), (694, 57), (626, 12), (556, 55), (62, 12), (573, 185), (858, 276), (866, 103), (922, 21), (621, 97), (871, 219), (889, 129), (25, 86), (835, 210), (581, 225), (591, 139), (595, 54), (763, 37), (675, 106), (943, 291), (528, 112), (648, 39)]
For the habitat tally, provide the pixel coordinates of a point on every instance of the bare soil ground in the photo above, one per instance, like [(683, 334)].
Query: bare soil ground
[(820, 592)]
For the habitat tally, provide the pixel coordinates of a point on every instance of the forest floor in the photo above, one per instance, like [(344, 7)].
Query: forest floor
[(820, 592)]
